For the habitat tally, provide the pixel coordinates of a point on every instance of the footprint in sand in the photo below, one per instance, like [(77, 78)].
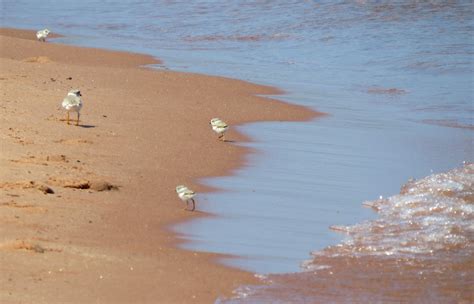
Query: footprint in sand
[(26, 246), (83, 184), (24, 206), (41, 160), (37, 59), (74, 141), (26, 185), (15, 135)]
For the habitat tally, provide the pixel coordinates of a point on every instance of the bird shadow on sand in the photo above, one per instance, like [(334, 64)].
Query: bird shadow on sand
[(196, 211), (86, 126), (229, 141)]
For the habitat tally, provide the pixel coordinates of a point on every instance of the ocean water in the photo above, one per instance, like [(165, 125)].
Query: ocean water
[(397, 81), (418, 250)]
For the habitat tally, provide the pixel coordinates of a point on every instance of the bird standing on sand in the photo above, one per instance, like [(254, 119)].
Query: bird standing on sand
[(186, 195), (41, 35), (219, 126), (73, 103)]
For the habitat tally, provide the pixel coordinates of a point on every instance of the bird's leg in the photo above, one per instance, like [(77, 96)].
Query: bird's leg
[(194, 205), (220, 136), (67, 117), (78, 115)]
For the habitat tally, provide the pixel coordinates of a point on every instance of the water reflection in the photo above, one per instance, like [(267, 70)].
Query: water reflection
[(307, 176)]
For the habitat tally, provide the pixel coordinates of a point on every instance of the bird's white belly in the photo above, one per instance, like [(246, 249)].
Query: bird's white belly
[(219, 129), (185, 196), (72, 107)]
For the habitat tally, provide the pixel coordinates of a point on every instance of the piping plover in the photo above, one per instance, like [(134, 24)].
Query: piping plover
[(186, 195), (219, 126), (41, 35), (73, 103)]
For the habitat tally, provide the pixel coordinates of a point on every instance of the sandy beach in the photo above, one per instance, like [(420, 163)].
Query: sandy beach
[(84, 210)]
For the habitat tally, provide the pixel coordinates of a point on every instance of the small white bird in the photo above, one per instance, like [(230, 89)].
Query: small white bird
[(73, 103), (41, 35), (219, 126), (186, 195)]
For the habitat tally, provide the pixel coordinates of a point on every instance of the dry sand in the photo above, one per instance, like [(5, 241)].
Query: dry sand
[(84, 210)]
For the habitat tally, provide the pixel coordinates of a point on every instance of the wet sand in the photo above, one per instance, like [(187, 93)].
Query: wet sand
[(102, 235)]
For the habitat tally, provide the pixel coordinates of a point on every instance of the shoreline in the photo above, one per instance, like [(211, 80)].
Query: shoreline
[(128, 238)]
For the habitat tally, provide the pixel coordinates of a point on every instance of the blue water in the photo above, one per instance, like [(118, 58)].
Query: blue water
[(341, 58)]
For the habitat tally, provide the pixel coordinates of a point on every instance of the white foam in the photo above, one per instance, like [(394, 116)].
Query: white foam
[(432, 214)]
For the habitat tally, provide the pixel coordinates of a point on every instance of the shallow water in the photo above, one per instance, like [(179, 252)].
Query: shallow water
[(279, 208), (395, 77), (418, 250)]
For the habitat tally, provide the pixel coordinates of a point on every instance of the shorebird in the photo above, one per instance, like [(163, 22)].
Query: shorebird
[(73, 103), (219, 126), (186, 195), (41, 35)]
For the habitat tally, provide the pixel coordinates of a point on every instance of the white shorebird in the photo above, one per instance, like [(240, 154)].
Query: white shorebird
[(186, 195), (41, 35), (73, 103), (219, 126)]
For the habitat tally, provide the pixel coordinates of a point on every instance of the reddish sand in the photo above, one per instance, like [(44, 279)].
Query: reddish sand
[(102, 235)]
